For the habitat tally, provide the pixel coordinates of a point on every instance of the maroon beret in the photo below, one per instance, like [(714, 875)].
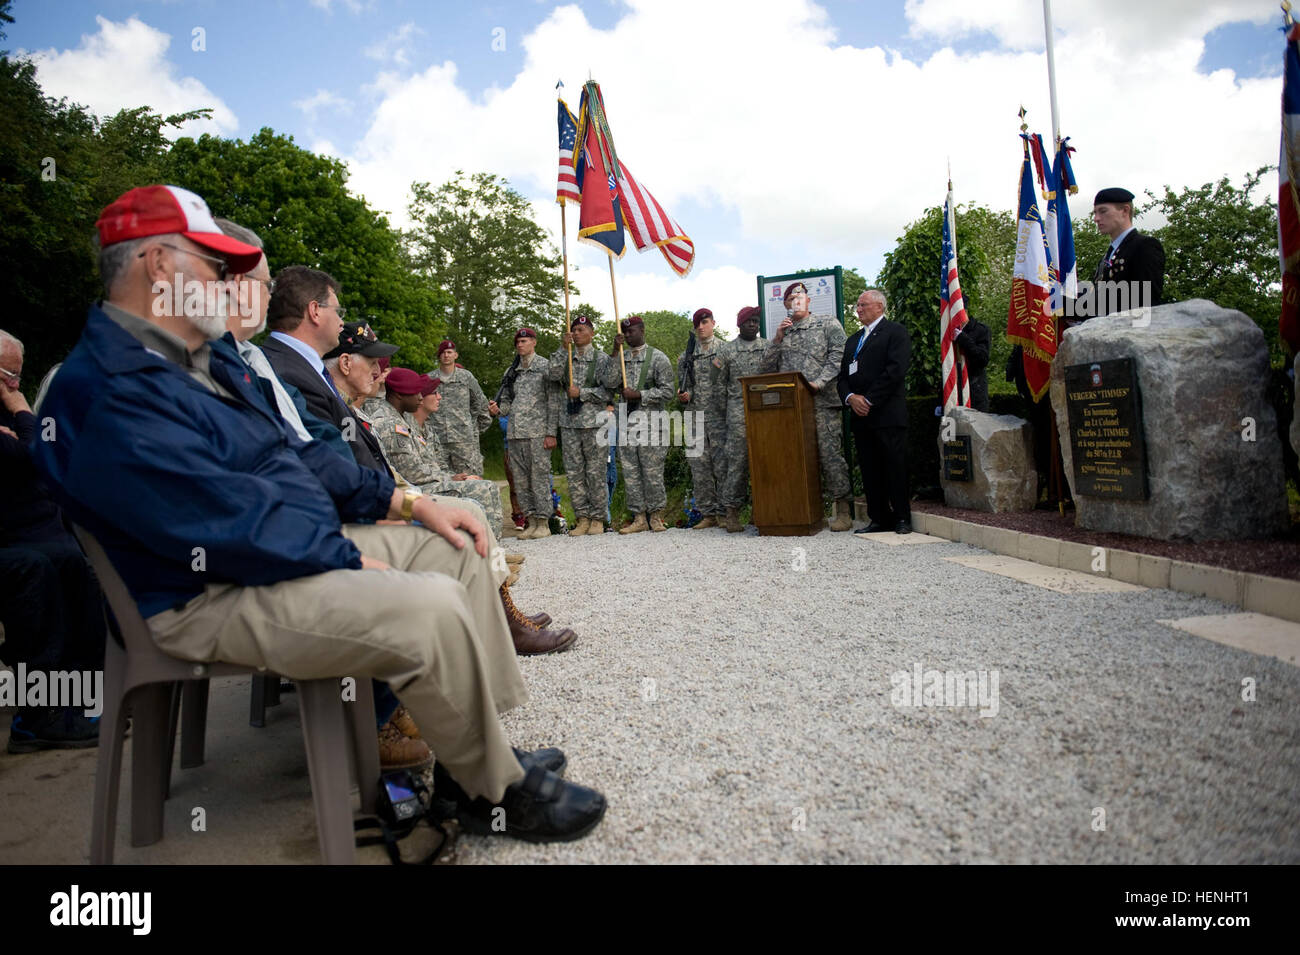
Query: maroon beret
[(525, 332), (630, 321), (746, 313), (581, 320), (444, 345), (404, 381), (796, 287), (700, 315)]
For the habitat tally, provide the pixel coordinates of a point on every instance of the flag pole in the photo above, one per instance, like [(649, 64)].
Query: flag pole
[(568, 324), (614, 288), (1051, 74), (952, 227)]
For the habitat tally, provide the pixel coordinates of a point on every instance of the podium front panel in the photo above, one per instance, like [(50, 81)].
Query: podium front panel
[(781, 427)]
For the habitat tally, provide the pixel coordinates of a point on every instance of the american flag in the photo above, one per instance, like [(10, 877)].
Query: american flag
[(651, 225), (952, 316), (567, 184)]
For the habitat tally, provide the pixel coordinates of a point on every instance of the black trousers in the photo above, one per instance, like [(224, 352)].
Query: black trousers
[(51, 606), (882, 456)]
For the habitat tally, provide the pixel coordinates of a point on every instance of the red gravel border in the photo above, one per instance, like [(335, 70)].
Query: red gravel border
[(1277, 557)]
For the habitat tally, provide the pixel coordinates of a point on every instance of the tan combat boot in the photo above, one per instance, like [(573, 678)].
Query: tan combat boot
[(842, 519), (732, 521), (543, 528), (514, 560), (527, 532), (582, 527), (636, 527), (597, 527), (657, 520), (707, 520)]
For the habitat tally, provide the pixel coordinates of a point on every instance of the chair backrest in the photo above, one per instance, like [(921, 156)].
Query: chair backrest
[(133, 629)]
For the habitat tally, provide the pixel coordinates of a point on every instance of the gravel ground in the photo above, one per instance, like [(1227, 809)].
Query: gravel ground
[(750, 719)]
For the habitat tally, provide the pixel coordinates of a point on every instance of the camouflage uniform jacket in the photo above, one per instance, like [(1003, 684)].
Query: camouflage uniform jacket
[(658, 390), (528, 403), (589, 365), (463, 414), (704, 393), (427, 435), (737, 359), (404, 451), (815, 347)]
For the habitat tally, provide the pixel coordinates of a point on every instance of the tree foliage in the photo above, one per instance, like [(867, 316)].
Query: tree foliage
[(475, 237), (1221, 244), (910, 278), (300, 206)]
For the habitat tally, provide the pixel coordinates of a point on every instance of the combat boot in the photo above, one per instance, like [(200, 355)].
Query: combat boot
[(514, 560), (732, 521), (657, 520), (582, 527), (636, 527), (543, 528), (529, 528), (707, 520), (597, 527), (842, 519)]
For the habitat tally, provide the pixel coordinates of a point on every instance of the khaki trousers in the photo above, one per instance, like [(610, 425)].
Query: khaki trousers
[(432, 627)]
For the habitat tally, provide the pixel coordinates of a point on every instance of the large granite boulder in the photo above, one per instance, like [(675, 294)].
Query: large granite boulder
[(1002, 463), (1214, 460)]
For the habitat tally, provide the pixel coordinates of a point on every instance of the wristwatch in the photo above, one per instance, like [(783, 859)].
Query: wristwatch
[(408, 503)]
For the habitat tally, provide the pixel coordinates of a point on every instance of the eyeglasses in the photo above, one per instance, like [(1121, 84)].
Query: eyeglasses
[(11, 375), (223, 267), (341, 309)]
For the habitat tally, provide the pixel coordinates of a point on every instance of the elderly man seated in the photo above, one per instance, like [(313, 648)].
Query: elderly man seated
[(237, 539)]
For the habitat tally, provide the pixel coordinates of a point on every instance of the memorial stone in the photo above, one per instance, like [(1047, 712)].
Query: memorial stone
[(1213, 457), (1001, 463)]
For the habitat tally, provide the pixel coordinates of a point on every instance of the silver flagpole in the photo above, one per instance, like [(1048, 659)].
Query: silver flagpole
[(1051, 76)]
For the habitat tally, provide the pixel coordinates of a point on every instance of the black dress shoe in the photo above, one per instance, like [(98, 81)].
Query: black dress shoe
[(903, 527), (542, 807), (550, 759), (872, 528)]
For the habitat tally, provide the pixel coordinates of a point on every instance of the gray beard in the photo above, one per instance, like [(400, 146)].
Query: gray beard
[(212, 326)]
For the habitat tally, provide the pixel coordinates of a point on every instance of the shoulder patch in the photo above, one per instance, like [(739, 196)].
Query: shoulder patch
[(717, 363), (402, 429)]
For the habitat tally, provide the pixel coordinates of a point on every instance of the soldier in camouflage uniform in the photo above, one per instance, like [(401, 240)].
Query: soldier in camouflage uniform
[(464, 413), (814, 345), (642, 450), (738, 359), (531, 434), (709, 467), (584, 456), (402, 436)]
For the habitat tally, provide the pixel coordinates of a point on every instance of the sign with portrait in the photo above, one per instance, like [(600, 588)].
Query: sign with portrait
[(825, 296)]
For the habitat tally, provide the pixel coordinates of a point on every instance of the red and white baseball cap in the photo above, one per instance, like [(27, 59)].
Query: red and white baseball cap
[(163, 210)]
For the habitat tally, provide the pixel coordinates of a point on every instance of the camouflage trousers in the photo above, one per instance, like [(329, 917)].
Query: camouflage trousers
[(643, 476), (734, 488), (835, 470), (709, 469), (464, 457), (585, 465), (530, 463), (483, 493)]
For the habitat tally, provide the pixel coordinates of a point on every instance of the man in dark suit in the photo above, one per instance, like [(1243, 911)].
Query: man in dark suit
[(872, 383), (1133, 268), (973, 344), (306, 322)]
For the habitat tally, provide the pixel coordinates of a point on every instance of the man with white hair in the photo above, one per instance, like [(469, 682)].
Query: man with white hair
[(156, 429)]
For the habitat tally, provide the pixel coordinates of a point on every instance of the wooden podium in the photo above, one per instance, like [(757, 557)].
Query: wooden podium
[(781, 425)]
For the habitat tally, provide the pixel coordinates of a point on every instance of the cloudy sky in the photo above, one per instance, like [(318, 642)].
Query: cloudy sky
[(780, 133)]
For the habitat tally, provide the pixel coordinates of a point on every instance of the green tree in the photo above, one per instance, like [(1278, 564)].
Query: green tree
[(1221, 244), (300, 205), (910, 278), (60, 166), (476, 238)]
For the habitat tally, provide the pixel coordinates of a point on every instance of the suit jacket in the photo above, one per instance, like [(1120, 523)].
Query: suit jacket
[(973, 343), (881, 375), (1139, 258), (324, 403)]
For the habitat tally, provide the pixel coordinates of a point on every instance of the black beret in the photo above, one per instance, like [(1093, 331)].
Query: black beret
[(1113, 195)]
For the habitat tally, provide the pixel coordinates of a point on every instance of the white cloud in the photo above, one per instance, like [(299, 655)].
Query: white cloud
[(816, 151), (396, 47), (1129, 25), (354, 6), (322, 99), (123, 66)]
